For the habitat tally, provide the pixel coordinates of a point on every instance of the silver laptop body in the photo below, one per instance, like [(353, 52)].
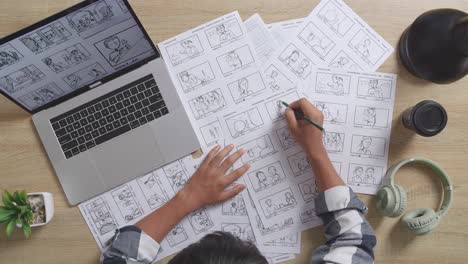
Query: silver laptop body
[(95, 146)]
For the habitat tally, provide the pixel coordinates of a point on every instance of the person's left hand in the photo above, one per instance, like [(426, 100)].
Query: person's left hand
[(208, 184)]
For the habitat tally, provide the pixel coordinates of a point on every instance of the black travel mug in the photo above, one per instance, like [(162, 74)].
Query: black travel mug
[(427, 118)]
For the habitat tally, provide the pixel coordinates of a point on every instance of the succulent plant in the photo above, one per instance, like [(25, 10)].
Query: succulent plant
[(16, 211)]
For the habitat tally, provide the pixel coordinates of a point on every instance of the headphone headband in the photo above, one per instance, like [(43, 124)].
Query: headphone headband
[(443, 176)]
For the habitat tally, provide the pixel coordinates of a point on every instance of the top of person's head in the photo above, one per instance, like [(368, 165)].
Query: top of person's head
[(220, 248)]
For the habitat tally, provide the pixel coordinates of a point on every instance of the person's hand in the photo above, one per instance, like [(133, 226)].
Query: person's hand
[(208, 184), (307, 135)]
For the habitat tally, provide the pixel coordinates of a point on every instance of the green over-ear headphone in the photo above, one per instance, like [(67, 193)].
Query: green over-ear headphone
[(391, 199)]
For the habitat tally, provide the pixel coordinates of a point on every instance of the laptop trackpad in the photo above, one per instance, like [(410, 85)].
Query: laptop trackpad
[(127, 156)]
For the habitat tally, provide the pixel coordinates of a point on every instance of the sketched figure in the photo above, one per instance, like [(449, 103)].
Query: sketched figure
[(262, 147), (188, 48), (73, 80), (118, 48), (7, 58), (336, 84), (237, 208), (370, 116), (189, 80), (289, 199), (286, 138), (375, 89), (273, 83), (39, 101), (262, 179), (271, 208), (274, 175), (333, 141), (56, 67), (309, 189), (205, 103), (94, 73), (233, 60), (369, 176), (364, 145), (292, 58), (331, 18), (35, 44), (47, 94), (363, 47), (200, 220), (340, 63), (357, 174), (223, 33), (301, 69), (321, 45), (243, 87), (328, 114), (77, 55)]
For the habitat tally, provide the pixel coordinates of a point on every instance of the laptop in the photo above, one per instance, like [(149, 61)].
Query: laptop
[(101, 98)]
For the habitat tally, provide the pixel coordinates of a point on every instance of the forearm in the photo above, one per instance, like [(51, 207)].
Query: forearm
[(160, 222), (325, 173)]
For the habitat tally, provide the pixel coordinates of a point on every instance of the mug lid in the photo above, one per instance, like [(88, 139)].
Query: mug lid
[(429, 118)]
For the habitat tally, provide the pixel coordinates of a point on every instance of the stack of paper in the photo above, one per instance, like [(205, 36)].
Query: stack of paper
[(230, 75)]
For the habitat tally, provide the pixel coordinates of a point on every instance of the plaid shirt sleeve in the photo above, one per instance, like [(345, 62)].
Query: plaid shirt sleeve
[(130, 245), (350, 238)]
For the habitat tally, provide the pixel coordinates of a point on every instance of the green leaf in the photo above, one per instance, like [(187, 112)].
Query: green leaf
[(24, 197), (6, 215), (7, 199), (23, 209), (10, 227), (26, 229)]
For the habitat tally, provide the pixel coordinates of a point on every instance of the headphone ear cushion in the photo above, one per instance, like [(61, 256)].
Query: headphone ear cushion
[(401, 198), (385, 201), (421, 221)]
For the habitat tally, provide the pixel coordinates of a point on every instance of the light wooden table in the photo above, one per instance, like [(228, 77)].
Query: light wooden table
[(24, 165)]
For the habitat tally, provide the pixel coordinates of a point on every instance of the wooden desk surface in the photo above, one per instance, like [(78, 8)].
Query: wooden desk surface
[(24, 165)]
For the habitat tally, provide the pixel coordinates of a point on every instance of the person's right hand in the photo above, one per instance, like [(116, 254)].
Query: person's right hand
[(307, 135)]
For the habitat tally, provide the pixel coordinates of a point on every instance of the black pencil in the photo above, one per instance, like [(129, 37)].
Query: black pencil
[(306, 118)]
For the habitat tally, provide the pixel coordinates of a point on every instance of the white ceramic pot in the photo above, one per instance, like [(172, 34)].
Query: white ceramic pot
[(48, 204)]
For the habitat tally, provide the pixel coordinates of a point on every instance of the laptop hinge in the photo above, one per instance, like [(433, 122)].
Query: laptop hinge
[(94, 85)]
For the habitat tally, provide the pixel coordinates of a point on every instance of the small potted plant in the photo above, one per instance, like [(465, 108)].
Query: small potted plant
[(25, 211)]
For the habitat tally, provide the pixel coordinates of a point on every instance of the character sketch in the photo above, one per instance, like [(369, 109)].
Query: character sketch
[(299, 163), (246, 87), (207, 103), (379, 89), (244, 122), (200, 221), (308, 190), (265, 230), (184, 50), (42, 95), (276, 81), (101, 216), (337, 84), (234, 206), (176, 236), (117, 48), (127, 203), (308, 216), (369, 176), (296, 61), (235, 60), (267, 176), (368, 146), (343, 61), (285, 138), (318, 41), (46, 37), (67, 58), (333, 141), (366, 48), (90, 16), (333, 113), (195, 77), (223, 33), (360, 174), (23, 77), (276, 108), (9, 56), (277, 203), (85, 76), (212, 133), (257, 149), (364, 145), (357, 174), (335, 19), (241, 230), (151, 187), (176, 175)]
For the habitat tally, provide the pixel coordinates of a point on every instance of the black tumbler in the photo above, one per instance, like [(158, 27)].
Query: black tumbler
[(427, 118)]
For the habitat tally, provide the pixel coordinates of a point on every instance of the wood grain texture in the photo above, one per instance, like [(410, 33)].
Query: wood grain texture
[(24, 164)]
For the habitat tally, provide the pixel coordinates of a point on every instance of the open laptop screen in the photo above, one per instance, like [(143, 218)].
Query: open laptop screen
[(71, 50)]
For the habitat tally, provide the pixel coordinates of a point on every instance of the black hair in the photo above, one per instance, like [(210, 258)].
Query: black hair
[(220, 248)]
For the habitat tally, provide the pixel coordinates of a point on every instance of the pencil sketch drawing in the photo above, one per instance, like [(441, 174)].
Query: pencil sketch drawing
[(265, 230), (344, 62), (124, 46), (299, 163), (21, 78), (127, 203), (374, 88), (366, 48), (223, 33), (244, 122), (153, 190), (316, 40), (368, 146), (246, 87), (285, 138), (200, 221), (330, 83), (196, 76), (184, 50), (276, 108), (85, 76), (240, 230), (46, 37), (212, 133), (278, 203), (276, 80), (360, 174), (235, 60), (289, 240), (308, 190), (66, 58), (207, 103), (267, 176), (333, 141), (42, 95), (332, 112), (101, 216), (296, 61), (335, 19), (257, 149), (234, 206), (308, 216), (9, 56), (90, 16), (176, 236), (176, 175), (371, 117)]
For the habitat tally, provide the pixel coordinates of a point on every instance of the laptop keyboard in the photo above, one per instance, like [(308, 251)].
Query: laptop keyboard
[(109, 116)]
